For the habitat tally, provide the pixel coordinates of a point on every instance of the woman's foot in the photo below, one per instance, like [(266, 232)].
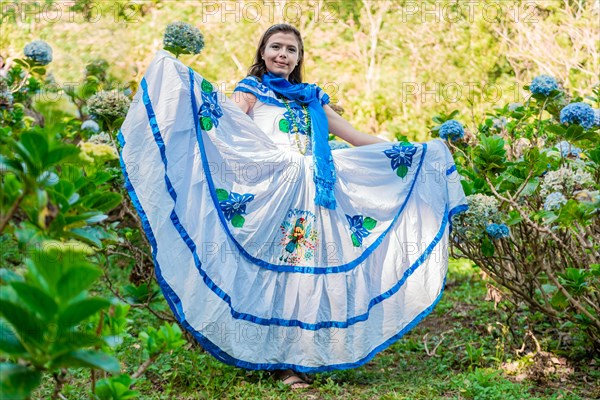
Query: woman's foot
[(290, 378)]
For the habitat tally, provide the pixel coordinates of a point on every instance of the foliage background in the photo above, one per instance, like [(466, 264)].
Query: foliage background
[(390, 64)]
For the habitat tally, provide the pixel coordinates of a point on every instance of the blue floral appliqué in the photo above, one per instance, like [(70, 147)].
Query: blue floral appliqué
[(210, 111), (233, 206), (360, 227), (296, 119), (402, 157)]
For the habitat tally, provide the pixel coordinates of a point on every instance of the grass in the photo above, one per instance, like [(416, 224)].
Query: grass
[(471, 345)]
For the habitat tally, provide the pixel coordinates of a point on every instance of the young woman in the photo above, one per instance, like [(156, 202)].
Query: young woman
[(274, 251)]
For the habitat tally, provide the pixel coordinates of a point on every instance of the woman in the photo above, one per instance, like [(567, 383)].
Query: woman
[(273, 251)]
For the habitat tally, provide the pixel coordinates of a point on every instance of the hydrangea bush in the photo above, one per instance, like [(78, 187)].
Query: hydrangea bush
[(532, 185)]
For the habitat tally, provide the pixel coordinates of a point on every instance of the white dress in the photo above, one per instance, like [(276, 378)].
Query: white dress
[(260, 275)]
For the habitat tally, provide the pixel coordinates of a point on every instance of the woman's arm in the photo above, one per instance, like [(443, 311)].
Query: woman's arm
[(342, 128), (245, 100)]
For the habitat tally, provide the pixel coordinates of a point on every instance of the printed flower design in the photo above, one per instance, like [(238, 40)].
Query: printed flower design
[(360, 227), (210, 111), (233, 206), (402, 157)]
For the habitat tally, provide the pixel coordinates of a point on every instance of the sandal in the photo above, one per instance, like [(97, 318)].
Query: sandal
[(291, 379)]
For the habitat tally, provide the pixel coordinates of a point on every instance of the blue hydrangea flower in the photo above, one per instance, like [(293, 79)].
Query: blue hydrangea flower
[(543, 85), (182, 38), (499, 123), (235, 204), (497, 231), (567, 149), (578, 113), (90, 125), (210, 107), (336, 144), (401, 155), (357, 228), (452, 130), (554, 201), (39, 52), (596, 116)]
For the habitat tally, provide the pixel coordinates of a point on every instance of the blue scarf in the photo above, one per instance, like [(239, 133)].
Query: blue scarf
[(324, 173)]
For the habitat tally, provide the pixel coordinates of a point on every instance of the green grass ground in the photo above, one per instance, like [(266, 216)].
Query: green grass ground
[(467, 364)]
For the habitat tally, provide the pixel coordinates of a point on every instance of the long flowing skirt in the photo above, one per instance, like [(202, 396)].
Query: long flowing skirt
[(261, 276)]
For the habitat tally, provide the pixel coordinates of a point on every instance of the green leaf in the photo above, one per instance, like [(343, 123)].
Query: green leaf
[(69, 340), (206, 86), (490, 154), (9, 343), (595, 155), (8, 276), (93, 235), (81, 310), (206, 123), (18, 381), (284, 125), (238, 221), (559, 130), (530, 187), (369, 223), (61, 154), (355, 241), (116, 388), (103, 201), (76, 280), (222, 194), (487, 247), (25, 325), (37, 300), (88, 359), (402, 171), (513, 218), (559, 301)]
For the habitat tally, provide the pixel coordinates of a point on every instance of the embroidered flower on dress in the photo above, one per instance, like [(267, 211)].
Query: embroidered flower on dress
[(360, 227), (578, 113), (233, 206), (401, 157), (210, 110), (298, 119)]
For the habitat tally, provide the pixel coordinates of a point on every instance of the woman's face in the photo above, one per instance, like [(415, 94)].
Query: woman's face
[(281, 54)]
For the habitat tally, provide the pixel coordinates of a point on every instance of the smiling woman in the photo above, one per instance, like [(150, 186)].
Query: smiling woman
[(274, 251)]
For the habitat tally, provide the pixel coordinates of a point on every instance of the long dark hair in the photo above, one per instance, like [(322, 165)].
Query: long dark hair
[(259, 68)]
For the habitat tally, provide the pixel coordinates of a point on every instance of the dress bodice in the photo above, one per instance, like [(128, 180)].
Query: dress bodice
[(275, 122)]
